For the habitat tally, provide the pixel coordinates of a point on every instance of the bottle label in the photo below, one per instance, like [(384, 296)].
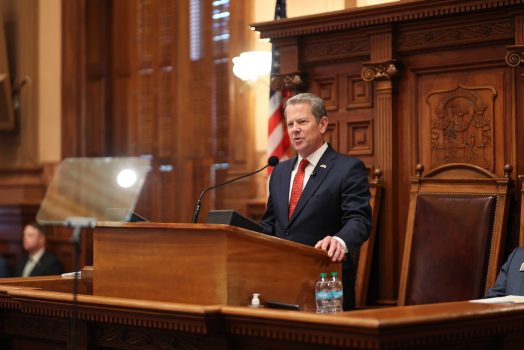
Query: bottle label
[(322, 295), (336, 294)]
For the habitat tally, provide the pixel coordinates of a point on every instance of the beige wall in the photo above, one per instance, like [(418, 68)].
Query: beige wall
[(49, 87)]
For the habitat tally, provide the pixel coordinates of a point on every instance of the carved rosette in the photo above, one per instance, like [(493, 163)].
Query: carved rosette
[(293, 82), (515, 55), (379, 71)]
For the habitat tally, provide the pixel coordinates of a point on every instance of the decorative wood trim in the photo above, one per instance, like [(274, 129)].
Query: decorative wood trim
[(143, 324), (515, 55), (376, 15), (37, 326), (454, 34), (335, 48), (295, 82), (380, 71)]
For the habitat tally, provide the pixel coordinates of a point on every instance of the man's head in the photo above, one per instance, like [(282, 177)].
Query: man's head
[(34, 238), (307, 122)]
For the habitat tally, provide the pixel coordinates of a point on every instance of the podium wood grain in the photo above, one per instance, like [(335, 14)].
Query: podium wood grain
[(203, 264)]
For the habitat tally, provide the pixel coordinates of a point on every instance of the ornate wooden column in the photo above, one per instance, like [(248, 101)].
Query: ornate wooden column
[(382, 70)]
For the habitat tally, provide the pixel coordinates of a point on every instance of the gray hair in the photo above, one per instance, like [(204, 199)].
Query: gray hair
[(317, 104)]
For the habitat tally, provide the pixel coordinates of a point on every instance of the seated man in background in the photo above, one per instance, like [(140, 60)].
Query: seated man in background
[(39, 261), (510, 280)]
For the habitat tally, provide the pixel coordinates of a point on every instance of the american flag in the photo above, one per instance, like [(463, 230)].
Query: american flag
[(278, 141)]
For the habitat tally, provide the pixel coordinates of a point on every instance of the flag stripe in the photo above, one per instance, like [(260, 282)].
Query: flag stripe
[(278, 139)]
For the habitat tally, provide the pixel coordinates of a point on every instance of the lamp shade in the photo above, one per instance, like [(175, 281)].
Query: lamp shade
[(251, 65)]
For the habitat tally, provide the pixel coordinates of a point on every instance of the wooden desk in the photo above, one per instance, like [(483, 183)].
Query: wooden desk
[(34, 318)]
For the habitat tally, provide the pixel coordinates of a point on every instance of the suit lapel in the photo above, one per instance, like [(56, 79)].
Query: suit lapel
[(325, 164)]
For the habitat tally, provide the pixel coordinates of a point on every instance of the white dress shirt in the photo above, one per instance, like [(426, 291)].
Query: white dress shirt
[(313, 160), (32, 261)]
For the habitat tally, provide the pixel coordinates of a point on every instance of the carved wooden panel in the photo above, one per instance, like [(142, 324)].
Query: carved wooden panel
[(326, 87), (468, 31), (461, 125), (459, 118), (124, 337), (335, 47), (332, 135), (359, 93), (360, 138)]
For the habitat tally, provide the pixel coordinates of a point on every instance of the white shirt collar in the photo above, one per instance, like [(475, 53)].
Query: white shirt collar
[(36, 256), (314, 157)]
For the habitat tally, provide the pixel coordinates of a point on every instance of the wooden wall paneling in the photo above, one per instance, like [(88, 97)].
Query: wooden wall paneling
[(73, 76), (123, 57), (97, 75), (195, 122), (240, 97), (164, 168), (289, 54), (147, 76), (382, 69)]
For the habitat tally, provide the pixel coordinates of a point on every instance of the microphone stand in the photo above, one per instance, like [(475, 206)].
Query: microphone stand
[(199, 201), (78, 223)]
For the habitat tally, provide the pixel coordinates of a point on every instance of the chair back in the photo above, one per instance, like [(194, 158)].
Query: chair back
[(455, 234), (365, 256)]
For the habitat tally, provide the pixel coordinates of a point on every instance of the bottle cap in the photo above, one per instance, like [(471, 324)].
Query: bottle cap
[(334, 273), (255, 301), (323, 274)]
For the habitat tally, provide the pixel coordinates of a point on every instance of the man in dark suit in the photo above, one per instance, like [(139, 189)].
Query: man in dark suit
[(321, 197), (39, 261), (510, 280)]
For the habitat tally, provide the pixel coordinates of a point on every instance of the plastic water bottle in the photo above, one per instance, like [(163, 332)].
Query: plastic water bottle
[(322, 294), (336, 293)]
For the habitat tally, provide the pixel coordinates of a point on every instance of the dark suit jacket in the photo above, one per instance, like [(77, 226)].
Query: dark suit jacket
[(510, 280), (47, 265), (5, 271), (335, 202)]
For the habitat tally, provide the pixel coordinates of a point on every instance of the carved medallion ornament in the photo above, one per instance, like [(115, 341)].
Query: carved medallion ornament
[(462, 125), (379, 71), (294, 82)]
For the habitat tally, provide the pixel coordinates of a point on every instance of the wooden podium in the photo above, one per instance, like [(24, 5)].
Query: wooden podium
[(206, 264)]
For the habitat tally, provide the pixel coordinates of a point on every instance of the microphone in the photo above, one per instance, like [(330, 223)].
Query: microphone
[(272, 161)]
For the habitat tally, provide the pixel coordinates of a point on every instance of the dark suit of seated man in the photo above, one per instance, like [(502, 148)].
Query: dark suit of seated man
[(510, 280), (4, 268), (39, 261)]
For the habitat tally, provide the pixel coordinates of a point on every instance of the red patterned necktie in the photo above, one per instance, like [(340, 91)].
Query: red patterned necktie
[(298, 183)]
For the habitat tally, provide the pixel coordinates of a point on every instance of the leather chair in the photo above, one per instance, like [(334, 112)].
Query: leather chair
[(365, 256), (455, 233)]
